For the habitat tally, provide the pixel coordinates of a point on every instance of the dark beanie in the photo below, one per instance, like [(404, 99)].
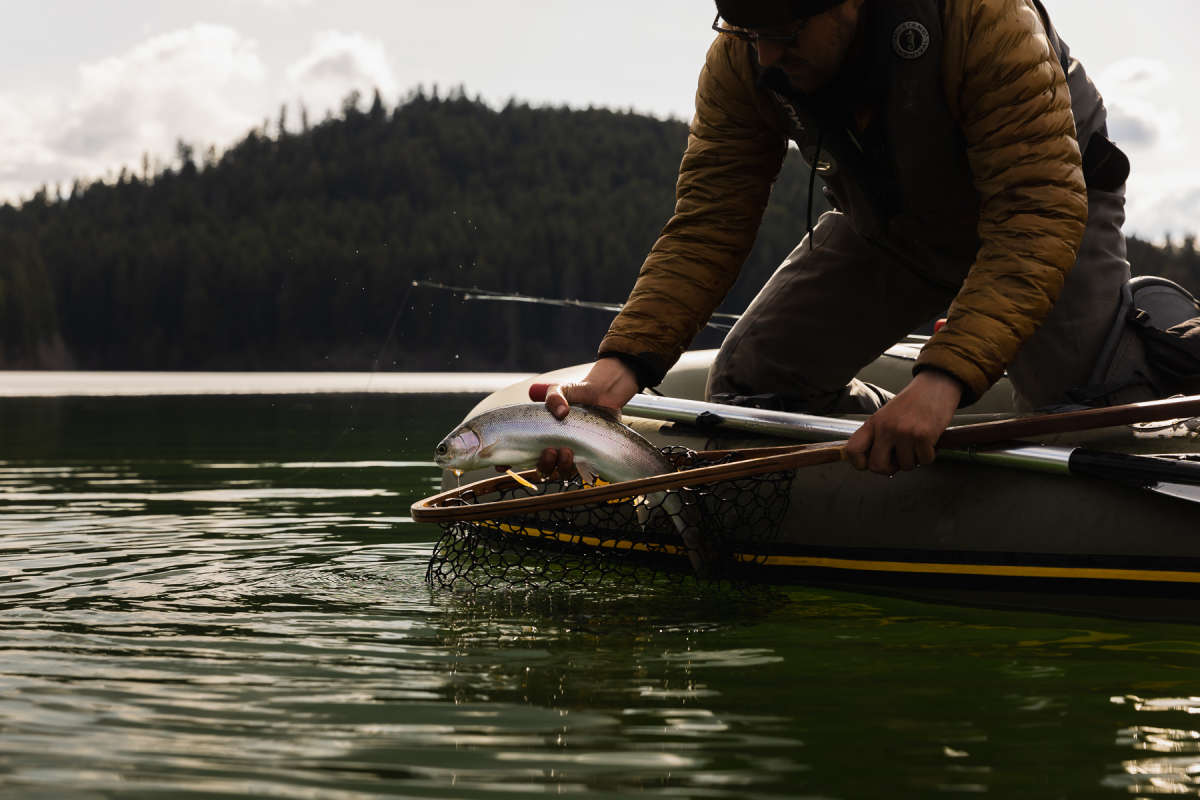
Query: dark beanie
[(769, 13)]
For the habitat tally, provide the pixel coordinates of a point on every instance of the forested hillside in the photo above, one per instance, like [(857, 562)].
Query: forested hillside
[(297, 250)]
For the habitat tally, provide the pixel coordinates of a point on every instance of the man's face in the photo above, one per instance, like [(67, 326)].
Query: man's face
[(819, 50)]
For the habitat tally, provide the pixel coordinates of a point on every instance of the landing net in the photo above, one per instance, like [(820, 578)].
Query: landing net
[(710, 521)]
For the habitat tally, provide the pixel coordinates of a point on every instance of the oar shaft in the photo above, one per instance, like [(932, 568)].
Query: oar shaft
[(1071, 421), (957, 444), (810, 428), (1029, 457), (805, 427), (1137, 469)]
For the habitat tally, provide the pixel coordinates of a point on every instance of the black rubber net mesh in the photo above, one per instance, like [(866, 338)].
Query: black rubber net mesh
[(715, 532)]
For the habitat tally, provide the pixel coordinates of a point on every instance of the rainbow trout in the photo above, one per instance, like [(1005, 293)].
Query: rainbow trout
[(514, 436)]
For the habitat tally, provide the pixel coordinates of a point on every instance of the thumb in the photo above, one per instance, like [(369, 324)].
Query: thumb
[(560, 396)]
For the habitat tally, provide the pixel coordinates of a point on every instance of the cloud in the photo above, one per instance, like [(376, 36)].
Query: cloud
[(205, 84), (183, 83), (1135, 121), (26, 161), (337, 64), (199, 84), (1137, 124), (1147, 122), (1137, 74), (1164, 203)]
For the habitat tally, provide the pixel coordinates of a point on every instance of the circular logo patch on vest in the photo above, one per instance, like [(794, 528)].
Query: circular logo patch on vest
[(910, 39)]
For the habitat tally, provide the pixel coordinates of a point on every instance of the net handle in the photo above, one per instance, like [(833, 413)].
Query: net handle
[(448, 506)]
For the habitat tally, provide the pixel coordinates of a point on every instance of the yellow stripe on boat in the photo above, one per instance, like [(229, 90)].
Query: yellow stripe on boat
[(1000, 570), (996, 570)]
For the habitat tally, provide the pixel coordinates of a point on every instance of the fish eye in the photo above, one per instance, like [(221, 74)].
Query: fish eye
[(441, 449)]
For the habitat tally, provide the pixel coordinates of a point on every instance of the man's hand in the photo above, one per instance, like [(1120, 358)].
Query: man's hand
[(901, 435), (609, 383)]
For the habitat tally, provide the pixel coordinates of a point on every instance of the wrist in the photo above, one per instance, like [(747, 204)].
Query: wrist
[(941, 383), (613, 375), (639, 372)]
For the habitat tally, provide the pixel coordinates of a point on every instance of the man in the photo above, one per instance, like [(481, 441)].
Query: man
[(967, 156)]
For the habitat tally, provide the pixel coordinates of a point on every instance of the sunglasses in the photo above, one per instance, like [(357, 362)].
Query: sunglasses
[(786, 37)]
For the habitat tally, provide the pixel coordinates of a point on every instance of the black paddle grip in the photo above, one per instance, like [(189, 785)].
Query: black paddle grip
[(1138, 470)]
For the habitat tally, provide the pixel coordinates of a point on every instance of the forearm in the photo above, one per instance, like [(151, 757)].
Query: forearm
[(735, 149), (1007, 89)]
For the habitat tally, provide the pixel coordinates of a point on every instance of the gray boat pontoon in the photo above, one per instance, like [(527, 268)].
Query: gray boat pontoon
[(1011, 527)]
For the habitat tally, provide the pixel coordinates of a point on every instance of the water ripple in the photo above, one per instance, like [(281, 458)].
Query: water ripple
[(219, 615)]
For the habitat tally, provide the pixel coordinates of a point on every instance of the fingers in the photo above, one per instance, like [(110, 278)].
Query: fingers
[(556, 400), (553, 462), (556, 462), (926, 452), (876, 447), (859, 445), (608, 383), (891, 453), (882, 459), (903, 434), (547, 461), (559, 397)]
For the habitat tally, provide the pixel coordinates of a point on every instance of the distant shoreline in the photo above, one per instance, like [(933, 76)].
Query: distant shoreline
[(85, 383)]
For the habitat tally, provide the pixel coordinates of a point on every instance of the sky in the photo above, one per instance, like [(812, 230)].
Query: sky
[(88, 87)]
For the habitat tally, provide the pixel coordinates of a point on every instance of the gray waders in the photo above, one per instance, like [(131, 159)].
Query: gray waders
[(829, 311)]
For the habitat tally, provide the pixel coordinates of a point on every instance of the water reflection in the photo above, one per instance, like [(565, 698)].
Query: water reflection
[(243, 611), (1160, 774)]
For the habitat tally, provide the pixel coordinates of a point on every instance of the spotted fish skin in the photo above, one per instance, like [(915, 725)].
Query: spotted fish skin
[(514, 436)]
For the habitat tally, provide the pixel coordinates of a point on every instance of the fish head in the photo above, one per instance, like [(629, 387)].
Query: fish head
[(509, 436), (460, 450)]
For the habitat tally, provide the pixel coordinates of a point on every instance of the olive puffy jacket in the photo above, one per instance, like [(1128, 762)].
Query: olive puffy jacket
[(1006, 90)]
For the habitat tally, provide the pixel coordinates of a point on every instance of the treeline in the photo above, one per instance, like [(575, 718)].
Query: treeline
[(298, 249)]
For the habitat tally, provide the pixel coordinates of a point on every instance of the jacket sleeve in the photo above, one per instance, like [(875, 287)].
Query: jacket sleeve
[(1007, 89), (736, 146)]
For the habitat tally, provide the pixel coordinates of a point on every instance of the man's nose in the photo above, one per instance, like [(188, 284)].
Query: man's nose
[(769, 53)]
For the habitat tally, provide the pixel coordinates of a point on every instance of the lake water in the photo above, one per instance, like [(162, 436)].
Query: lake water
[(209, 596)]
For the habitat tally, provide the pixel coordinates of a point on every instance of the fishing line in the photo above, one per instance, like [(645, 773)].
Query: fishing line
[(370, 381), (474, 293)]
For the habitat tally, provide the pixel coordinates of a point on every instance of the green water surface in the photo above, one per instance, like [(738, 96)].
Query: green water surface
[(225, 597)]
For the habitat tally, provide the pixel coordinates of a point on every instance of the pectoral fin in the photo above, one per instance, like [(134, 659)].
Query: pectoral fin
[(587, 473)]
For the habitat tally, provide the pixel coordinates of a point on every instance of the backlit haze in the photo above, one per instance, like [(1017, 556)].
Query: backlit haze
[(87, 88)]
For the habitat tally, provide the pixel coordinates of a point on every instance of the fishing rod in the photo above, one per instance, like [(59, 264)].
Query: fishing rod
[(513, 297)]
